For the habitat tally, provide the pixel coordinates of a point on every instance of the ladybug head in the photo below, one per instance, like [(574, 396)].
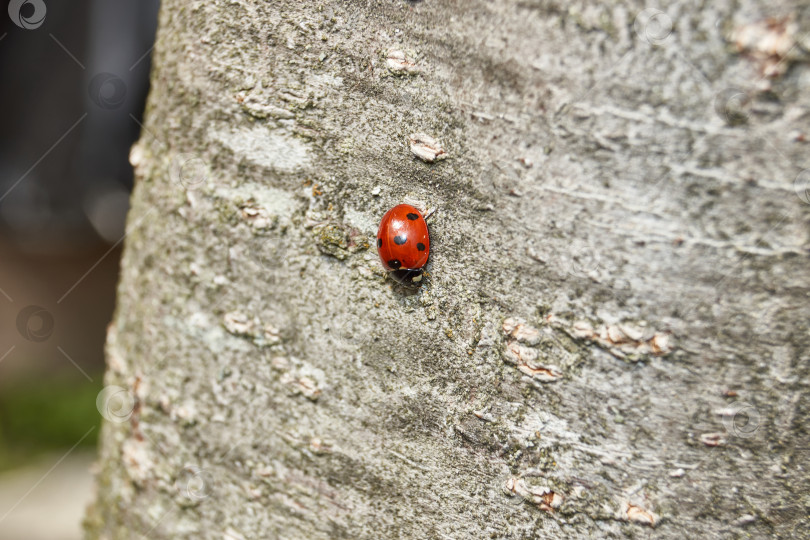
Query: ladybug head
[(407, 277)]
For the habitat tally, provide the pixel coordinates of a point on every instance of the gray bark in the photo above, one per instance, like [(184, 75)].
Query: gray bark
[(612, 339)]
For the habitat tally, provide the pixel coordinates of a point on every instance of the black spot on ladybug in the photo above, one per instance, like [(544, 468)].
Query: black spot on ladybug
[(420, 246), (399, 239), (395, 264), (412, 216), (379, 242)]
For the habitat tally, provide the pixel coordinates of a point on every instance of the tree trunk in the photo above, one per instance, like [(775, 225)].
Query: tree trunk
[(612, 336)]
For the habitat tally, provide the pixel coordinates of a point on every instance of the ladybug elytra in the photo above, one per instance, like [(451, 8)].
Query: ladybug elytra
[(403, 242)]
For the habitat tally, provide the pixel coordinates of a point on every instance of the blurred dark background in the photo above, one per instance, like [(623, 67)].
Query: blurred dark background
[(73, 82)]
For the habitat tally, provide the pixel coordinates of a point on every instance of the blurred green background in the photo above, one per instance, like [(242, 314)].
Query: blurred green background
[(46, 414)]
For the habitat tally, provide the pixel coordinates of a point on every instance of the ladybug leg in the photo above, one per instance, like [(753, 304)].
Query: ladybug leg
[(430, 213)]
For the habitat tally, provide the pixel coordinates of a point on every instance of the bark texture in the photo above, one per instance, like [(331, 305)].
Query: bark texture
[(612, 340)]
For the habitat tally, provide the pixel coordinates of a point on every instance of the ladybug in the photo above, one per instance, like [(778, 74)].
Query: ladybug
[(403, 243)]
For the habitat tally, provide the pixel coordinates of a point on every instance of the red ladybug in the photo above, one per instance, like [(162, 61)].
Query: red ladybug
[(403, 242)]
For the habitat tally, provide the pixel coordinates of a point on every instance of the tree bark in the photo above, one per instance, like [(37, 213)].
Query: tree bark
[(612, 336)]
